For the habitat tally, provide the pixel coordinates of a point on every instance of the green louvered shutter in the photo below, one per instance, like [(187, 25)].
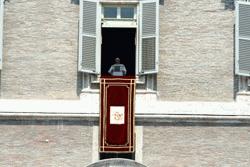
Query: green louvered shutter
[(149, 36), (242, 42), (89, 35)]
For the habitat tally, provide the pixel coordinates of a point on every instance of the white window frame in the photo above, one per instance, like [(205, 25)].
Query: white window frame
[(125, 23), (137, 59), (119, 22), (118, 7), (1, 32)]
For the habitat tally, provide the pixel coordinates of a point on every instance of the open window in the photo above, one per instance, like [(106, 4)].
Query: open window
[(108, 30), (118, 34), (242, 44), (118, 42)]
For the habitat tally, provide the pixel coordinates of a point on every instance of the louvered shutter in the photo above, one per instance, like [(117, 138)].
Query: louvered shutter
[(149, 30), (89, 36), (1, 32), (242, 28)]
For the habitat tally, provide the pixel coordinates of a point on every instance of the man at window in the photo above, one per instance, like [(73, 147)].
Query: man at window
[(117, 69)]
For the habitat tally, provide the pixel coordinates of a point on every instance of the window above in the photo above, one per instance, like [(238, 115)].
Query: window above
[(110, 12), (127, 12), (119, 12)]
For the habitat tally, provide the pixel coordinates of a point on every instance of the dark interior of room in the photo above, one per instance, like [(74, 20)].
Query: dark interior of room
[(118, 42)]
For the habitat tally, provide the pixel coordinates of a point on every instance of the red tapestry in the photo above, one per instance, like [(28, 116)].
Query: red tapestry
[(117, 114)]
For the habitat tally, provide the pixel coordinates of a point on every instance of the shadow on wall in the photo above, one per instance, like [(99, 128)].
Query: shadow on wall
[(236, 77), (75, 2), (161, 2), (229, 4), (79, 83)]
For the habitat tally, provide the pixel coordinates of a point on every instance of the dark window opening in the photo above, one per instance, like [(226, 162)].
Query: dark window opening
[(118, 42)]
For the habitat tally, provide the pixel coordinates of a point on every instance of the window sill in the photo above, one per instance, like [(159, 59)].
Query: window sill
[(245, 93), (97, 81), (138, 91)]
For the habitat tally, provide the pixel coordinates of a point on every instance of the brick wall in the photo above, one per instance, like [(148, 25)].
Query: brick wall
[(45, 143), (196, 51), (195, 146), (40, 49)]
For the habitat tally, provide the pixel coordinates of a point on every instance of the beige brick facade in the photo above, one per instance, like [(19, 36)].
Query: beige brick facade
[(40, 50), (196, 51), (196, 146), (40, 57), (41, 45)]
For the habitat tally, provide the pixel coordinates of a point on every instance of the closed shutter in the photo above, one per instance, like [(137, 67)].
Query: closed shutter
[(242, 28), (89, 36), (149, 30), (1, 33)]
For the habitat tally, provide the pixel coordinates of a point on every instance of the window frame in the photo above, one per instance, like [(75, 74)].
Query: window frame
[(136, 22), (118, 7)]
